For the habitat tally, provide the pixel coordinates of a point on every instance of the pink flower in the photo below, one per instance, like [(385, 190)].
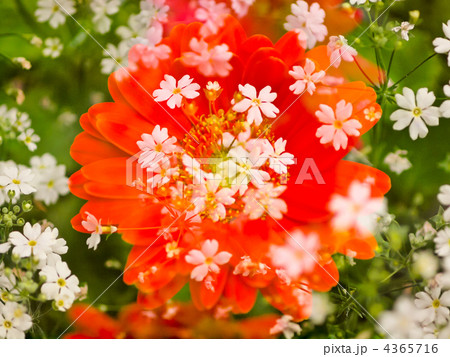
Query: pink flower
[(207, 259), (241, 7), (207, 196), (278, 159), (338, 49), (264, 200), (356, 210), (210, 62), (173, 93), (256, 104), (298, 256), (213, 16), (150, 53), (305, 78), (155, 147), (307, 21), (286, 326), (337, 126)]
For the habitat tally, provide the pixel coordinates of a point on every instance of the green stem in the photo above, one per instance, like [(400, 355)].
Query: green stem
[(389, 68), (413, 70)]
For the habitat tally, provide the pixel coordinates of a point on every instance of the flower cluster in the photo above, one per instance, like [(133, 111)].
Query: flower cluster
[(15, 125)]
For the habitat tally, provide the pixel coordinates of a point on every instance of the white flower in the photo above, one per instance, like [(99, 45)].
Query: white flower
[(338, 124), (338, 49), (29, 138), (213, 86), (404, 29), (361, 2), (18, 179), (95, 226), (305, 77), (434, 305), (59, 281), (278, 158), (445, 106), (58, 247), (207, 259), (210, 62), (425, 263), (20, 121), (298, 255), (356, 210), (101, 9), (53, 47), (115, 57), (155, 10), (444, 199), (397, 161), (308, 21), (403, 321), (137, 27), (321, 308), (442, 242), (265, 200), (33, 242), (55, 14), (155, 147), (212, 15), (256, 104), (286, 326), (63, 302), (147, 51), (442, 45), (51, 184), (14, 321), (174, 93), (416, 111), (241, 7)]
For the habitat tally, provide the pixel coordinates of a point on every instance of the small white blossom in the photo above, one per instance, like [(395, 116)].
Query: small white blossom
[(18, 179), (286, 326), (417, 112), (115, 57), (55, 14), (174, 93), (404, 29), (425, 263), (442, 45), (52, 47), (29, 138), (94, 226), (442, 242), (434, 305), (240, 7), (59, 281), (397, 161), (338, 49), (14, 320), (306, 78), (32, 242), (361, 2), (212, 15), (101, 9)]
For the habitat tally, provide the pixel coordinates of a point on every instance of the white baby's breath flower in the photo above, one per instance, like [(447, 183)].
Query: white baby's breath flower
[(59, 281), (397, 161), (52, 47), (101, 9), (404, 29), (442, 242), (417, 112), (32, 242), (50, 184), (434, 305), (17, 179), (442, 45), (54, 13)]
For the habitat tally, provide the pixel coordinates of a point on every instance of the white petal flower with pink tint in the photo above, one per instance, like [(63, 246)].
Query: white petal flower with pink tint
[(212, 15), (247, 267), (149, 52), (338, 49), (155, 147), (174, 93), (371, 114), (256, 104), (338, 125), (404, 29), (210, 62), (162, 173), (208, 197), (357, 210), (94, 226), (278, 158), (286, 326), (241, 7), (305, 78), (264, 200), (298, 255), (207, 259), (307, 20), (194, 168)]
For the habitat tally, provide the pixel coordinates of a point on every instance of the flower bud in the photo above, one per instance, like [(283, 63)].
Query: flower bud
[(23, 62), (42, 297), (20, 222), (27, 206), (15, 258), (16, 209), (11, 194), (4, 210), (414, 16)]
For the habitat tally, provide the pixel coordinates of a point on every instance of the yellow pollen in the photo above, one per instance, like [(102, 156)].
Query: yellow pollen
[(61, 282), (338, 124), (32, 243), (7, 324), (176, 91), (18, 313), (436, 303), (256, 101), (158, 147), (208, 261), (16, 182), (417, 112), (50, 184), (60, 303)]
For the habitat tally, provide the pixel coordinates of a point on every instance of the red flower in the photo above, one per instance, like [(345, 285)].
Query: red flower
[(193, 223)]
